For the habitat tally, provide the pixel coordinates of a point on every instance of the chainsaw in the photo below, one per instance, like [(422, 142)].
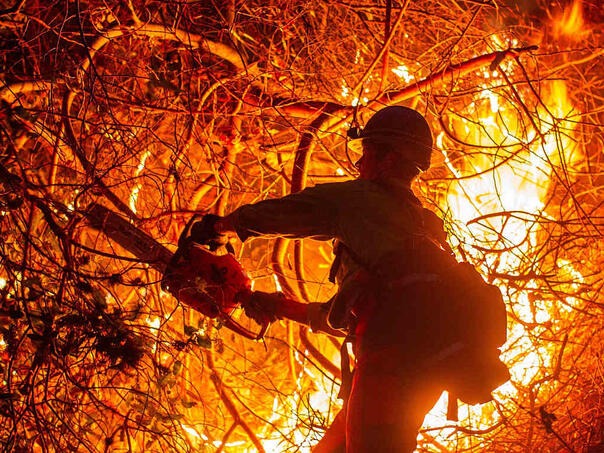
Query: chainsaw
[(196, 275)]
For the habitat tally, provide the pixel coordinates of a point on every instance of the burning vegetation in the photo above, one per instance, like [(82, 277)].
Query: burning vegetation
[(159, 109)]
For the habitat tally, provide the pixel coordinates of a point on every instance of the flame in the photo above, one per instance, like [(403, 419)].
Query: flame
[(137, 188), (403, 72), (503, 187), (570, 23), (154, 323), (345, 90), (194, 438), (504, 193), (303, 404), (278, 287)]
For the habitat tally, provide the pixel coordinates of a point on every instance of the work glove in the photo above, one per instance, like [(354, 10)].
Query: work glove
[(263, 307), (204, 232)]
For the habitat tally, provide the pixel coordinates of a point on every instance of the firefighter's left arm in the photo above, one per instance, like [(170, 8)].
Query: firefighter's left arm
[(263, 306)]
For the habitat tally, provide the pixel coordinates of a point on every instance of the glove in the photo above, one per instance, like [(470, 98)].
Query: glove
[(204, 232), (263, 307)]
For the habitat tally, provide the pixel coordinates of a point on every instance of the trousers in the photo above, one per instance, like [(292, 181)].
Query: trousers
[(394, 385)]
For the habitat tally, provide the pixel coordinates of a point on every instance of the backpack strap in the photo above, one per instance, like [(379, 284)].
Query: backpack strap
[(345, 369), (337, 261)]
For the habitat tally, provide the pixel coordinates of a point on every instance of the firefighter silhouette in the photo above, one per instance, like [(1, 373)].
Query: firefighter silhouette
[(419, 321)]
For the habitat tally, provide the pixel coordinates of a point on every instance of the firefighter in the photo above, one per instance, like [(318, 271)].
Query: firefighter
[(390, 255)]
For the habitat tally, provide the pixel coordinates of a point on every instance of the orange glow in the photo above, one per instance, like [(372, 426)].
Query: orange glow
[(318, 400), (570, 23), (512, 174), (137, 188), (514, 177), (162, 110)]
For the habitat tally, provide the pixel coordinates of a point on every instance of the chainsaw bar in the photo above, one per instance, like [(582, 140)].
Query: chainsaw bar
[(131, 238), (148, 250)]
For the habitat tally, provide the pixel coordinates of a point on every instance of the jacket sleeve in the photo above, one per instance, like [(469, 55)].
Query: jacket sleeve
[(317, 319), (309, 213)]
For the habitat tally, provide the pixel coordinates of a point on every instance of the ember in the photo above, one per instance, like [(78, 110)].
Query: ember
[(158, 110)]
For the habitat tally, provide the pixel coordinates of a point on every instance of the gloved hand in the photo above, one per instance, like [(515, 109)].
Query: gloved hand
[(204, 232), (263, 307)]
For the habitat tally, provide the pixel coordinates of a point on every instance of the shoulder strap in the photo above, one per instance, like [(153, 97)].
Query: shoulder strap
[(337, 261), (338, 249)]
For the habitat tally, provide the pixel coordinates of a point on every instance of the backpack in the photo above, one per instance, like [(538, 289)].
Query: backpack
[(475, 310), (478, 310)]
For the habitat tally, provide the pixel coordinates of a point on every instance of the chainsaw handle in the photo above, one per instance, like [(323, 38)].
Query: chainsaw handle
[(201, 230), (185, 235), (244, 332)]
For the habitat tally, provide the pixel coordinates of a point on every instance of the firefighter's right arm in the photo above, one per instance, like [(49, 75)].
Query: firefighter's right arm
[(309, 213)]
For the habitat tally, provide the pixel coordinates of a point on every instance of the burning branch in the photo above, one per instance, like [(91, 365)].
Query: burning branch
[(168, 108)]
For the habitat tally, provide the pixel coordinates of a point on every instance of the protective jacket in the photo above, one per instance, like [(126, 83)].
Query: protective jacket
[(378, 226), (372, 219)]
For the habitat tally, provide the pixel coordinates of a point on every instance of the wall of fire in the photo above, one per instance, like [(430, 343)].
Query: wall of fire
[(158, 110)]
